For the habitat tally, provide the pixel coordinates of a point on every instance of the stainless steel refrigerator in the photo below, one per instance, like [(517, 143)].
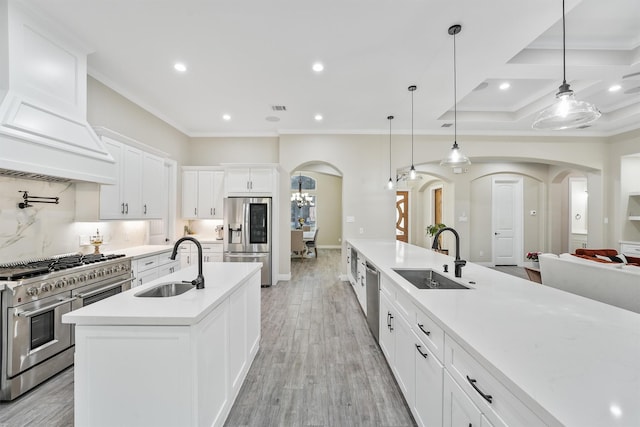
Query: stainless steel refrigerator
[(247, 234)]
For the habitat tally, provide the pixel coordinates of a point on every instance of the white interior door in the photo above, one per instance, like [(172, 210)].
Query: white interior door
[(507, 220)]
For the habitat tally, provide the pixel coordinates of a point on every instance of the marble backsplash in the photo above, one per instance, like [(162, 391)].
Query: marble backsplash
[(50, 229)]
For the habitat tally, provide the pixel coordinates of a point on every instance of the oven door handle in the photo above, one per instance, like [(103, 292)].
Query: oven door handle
[(103, 289), (44, 309)]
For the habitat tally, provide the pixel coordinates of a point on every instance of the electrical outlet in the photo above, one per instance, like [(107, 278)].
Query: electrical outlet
[(361, 230), (351, 219), (481, 253), (533, 213)]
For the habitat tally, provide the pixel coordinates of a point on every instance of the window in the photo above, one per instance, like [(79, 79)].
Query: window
[(303, 201)]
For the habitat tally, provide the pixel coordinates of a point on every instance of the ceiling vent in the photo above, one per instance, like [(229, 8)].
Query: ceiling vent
[(279, 108), (447, 125), (583, 127), (628, 76)]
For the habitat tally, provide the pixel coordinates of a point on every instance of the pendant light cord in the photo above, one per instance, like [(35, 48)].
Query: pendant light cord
[(455, 95), (390, 118), (412, 125), (564, 52)]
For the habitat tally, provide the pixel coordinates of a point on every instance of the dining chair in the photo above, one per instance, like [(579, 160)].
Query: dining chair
[(298, 247), (311, 244)]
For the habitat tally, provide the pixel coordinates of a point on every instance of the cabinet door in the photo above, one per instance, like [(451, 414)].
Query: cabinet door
[(205, 194), (458, 409), (146, 276), (189, 194), (111, 204), (185, 256), (387, 336), (236, 180), (427, 406), (261, 180), (153, 188), (218, 194), (132, 182), (405, 362), (237, 336)]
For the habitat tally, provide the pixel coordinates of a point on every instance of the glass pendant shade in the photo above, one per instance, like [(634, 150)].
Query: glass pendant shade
[(412, 173), (455, 158), (566, 113), (390, 184)]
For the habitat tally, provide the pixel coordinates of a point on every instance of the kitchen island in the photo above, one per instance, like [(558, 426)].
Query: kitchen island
[(506, 351), (167, 361)]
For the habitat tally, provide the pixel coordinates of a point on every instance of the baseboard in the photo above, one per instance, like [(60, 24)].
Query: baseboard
[(284, 277)]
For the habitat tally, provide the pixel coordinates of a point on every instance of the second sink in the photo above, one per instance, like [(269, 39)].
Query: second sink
[(163, 290), (426, 278)]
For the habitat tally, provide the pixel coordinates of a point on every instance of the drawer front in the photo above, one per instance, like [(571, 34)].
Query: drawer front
[(493, 399), (147, 263), (387, 287), (212, 248), (163, 258), (146, 277), (405, 305), (430, 334)]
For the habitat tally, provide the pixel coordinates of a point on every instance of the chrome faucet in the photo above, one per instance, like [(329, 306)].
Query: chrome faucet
[(199, 281), (459, 263)]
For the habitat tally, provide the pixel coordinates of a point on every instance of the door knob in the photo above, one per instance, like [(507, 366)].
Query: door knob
[(496, 233)]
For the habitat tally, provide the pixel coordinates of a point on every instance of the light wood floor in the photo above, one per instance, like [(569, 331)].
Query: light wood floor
[(318, 364)]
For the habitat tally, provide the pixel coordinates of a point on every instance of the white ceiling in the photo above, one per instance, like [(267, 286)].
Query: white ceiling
[(245, 56)]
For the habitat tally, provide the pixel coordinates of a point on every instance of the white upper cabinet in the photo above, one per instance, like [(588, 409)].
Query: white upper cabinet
[(140, 188), (152, 185), (250, 180), (202, 193)]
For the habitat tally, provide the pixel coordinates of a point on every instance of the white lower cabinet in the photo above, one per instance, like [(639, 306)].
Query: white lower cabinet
[(459, 410), (405, 364), (387, 338), (151, 267), (427, 403), (211, 252), (442, 383)]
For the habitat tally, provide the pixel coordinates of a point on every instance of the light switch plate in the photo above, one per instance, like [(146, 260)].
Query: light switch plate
[(351, 219)]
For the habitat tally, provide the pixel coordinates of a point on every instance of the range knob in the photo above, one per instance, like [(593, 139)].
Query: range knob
[(72, 280), (45, 287), (82, 277), (108, 270), (60, 283), (116, 268), (33, 291), (101, 272), (91, 275)]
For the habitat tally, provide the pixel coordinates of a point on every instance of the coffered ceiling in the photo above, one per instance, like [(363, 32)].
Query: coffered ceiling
[(246, 58)]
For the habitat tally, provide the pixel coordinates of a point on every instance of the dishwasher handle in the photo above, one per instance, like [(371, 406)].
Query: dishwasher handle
[(371, 268)]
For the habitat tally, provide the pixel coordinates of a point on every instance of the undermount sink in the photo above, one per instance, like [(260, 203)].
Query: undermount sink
[(164, 290), (426, 278)]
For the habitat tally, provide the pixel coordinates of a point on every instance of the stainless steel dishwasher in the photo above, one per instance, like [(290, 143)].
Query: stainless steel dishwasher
[(373, 299)]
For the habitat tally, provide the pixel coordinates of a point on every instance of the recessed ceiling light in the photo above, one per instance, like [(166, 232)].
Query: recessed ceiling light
[(179, 66), (505, 86), (318, 117), (226, 117), (317, 67), (615, 88)]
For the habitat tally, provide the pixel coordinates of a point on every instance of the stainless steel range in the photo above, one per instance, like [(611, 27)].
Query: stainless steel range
[(35, 343)]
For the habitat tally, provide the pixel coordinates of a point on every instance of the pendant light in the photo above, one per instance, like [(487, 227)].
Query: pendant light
[(412, 171), (566, 112), (456, 157), (390, 183)]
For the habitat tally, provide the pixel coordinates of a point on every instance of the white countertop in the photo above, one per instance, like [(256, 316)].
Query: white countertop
[(185, 309), (577, 359), (142, 251)]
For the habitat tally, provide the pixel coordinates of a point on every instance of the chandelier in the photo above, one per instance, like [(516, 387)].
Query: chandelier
[(301, 199)]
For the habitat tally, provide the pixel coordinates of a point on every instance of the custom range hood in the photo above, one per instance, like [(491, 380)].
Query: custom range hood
[(44, 133)]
